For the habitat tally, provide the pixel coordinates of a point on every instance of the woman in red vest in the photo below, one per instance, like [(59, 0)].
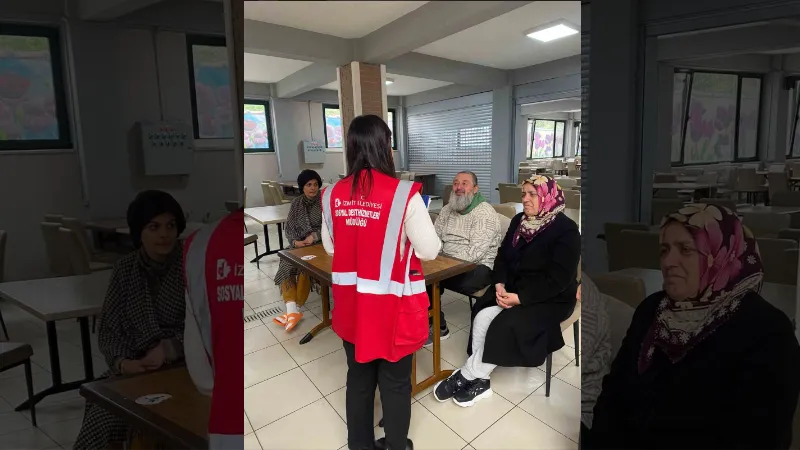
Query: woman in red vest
[(378, 230)]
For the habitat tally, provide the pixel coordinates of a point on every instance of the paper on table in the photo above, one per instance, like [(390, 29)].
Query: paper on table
[(308, 257), (152, 399)]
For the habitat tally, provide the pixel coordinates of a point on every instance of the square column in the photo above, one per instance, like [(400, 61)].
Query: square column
[(362, 90)]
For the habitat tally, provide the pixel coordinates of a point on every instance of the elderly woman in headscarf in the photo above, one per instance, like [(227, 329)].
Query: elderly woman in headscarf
[(517, 322), (303, 227), (142, 320), (707, 362)]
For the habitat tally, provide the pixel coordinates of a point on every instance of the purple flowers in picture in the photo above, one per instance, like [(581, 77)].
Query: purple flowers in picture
[(710, 138)]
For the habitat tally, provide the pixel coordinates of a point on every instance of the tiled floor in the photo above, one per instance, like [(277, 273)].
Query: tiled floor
[(59, 416), (290, 388)]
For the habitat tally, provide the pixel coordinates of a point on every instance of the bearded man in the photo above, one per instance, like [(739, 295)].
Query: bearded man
[(470, 230)]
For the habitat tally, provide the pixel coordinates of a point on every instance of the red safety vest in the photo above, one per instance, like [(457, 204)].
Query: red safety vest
[(380, 301), (214, 271)]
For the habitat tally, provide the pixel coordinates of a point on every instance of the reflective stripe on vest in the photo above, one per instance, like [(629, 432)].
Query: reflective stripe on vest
[(196, 286), (384, 285), (326, 208)]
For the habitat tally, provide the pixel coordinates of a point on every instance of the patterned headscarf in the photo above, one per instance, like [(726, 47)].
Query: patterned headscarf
[(730, 267), (551, 203)]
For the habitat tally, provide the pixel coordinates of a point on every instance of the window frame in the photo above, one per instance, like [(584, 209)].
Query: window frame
[(577, 125), (394, 126), (205, 40), (64, 141), (740, 75), (555, 127), (793, 82), (325, 125), (268, 114)]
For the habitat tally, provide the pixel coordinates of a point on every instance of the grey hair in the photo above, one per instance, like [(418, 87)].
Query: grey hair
[(467, 172)]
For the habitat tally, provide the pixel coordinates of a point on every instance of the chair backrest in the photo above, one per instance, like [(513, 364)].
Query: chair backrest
[(786, 198), (76, 225), (57, 255), (746, 178), (572, 199), (614, 243), (660, 207), (624, 287), (409, 176), (448, 189), (641, 249), (708, 178), (510, 194), (269, 200), (277, 195), (789, 233), (779, 265), (505, 222), (665, 178), (778, 182), (730, 204), (3, 243), (79, 262), (620, 315), (53, 218), (566, 183), (505, 210), (764, 224)]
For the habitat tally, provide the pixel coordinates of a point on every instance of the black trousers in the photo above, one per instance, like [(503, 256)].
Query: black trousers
[(466, 283), (394, 381)]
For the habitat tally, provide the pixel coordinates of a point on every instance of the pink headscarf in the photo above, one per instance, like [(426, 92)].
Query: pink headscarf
[(730, 268), (551, 203)]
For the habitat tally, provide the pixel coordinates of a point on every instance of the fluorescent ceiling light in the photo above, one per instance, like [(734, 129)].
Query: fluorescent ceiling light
[(389, 81), (552, 32)]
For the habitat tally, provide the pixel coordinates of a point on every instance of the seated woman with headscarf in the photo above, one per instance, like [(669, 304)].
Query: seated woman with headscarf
[(517, 322), (142, 320), (302, 227), (707, 362)]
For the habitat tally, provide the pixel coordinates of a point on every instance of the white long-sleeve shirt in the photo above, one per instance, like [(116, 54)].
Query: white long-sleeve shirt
[(417, 228)]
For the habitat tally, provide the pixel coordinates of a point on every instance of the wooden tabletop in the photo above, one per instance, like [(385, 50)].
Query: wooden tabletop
[(441, 268), (781, 296), (268, 215), (768, 209), (180, 421), (59, 298)]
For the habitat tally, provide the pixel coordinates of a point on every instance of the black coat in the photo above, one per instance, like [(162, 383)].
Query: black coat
[(543, 274), (736, 389)]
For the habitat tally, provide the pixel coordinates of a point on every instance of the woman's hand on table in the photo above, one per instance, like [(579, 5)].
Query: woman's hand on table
[(132, 366), (299, 244), (156, 357)]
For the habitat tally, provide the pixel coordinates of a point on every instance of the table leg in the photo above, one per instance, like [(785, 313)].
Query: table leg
[(280, 236), (55, 368), (267, 252), (326, 319), (438, 373), (86, 346)]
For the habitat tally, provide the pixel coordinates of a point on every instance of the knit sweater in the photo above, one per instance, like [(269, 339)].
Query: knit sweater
[(473, 237), (595, 340)]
